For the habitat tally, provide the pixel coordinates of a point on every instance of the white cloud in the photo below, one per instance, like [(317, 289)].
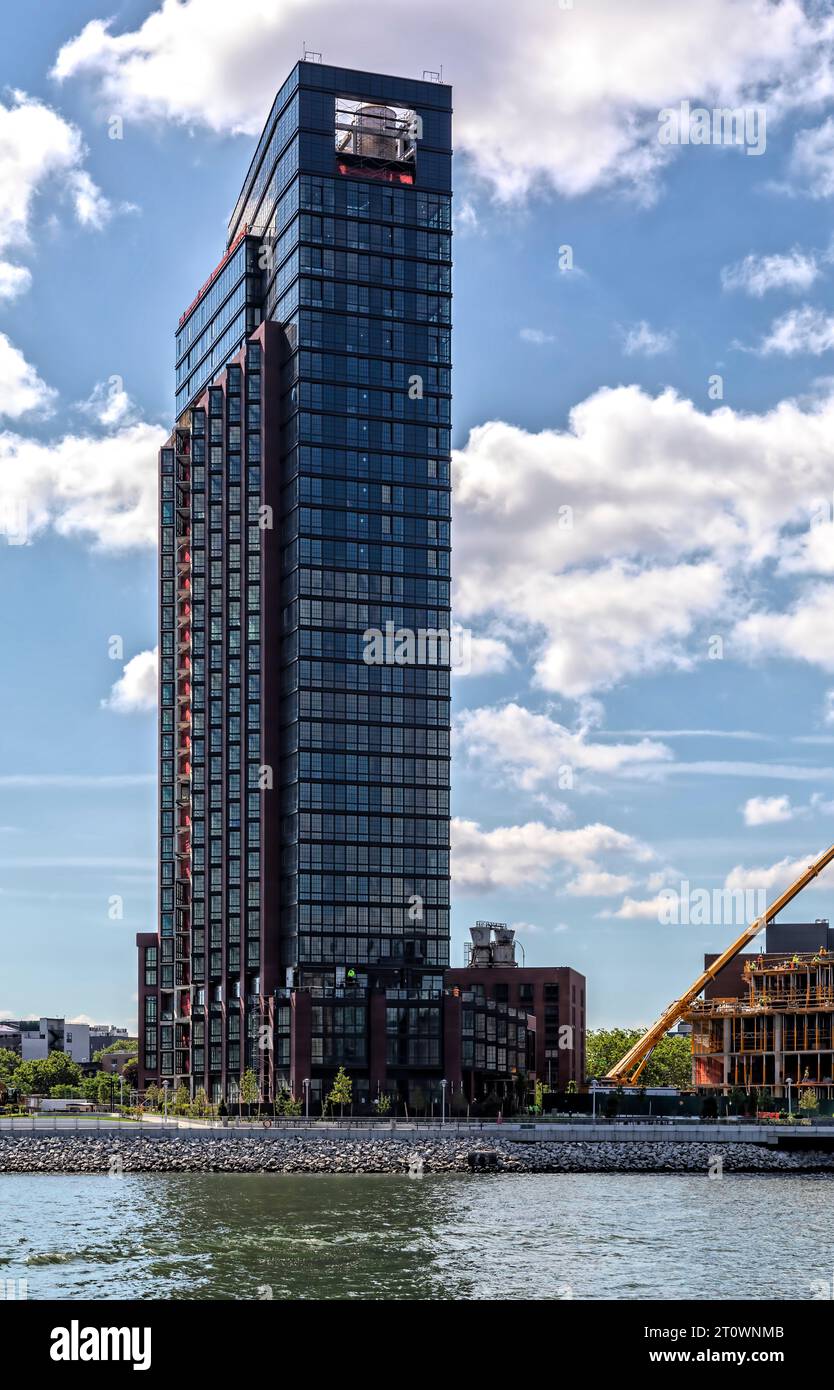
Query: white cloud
[(21, 389), (487, 656), (101, 489), (38, 147), (778, 875), (768, 810), (640, 909), (619, 545), (14, 280), (135, 690), (641, 340), (756, 275), (537, 336), (109, 403), (513, 856), (533, 750), (805, 632), (812, 159), (542, 97), (466, 221), (91, 207), (599, 884), (805, 330)]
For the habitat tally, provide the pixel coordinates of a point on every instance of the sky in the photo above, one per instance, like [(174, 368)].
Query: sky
[(643, 470)]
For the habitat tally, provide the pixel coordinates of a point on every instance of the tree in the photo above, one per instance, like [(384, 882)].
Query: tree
[(669, 1065), (152, 1097), (250, 1091), (36, 1078), (182, 1100), (383, 1104), (9, 1062), (808, 1100), (200, 1104), (342, 1090), (128, 1045), (419, 1100)]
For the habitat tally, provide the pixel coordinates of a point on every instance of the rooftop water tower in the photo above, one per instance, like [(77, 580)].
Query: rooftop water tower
[(503, 951)]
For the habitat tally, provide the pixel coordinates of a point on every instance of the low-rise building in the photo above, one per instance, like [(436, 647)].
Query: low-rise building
[(54, 1035), (10, 1036), (554, 995)]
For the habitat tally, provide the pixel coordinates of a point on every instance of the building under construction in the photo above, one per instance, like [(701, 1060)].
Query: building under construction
[(767, 1020), (763, 1021)]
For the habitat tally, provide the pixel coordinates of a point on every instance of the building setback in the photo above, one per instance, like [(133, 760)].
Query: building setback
[(304, 504)]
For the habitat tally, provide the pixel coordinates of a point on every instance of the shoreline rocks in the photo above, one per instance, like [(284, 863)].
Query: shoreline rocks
[(115, 1154)]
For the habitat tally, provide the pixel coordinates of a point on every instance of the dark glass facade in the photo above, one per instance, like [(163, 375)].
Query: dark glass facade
[(304, 509)]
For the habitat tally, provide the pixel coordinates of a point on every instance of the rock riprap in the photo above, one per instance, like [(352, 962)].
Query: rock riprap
[(95, 1153)]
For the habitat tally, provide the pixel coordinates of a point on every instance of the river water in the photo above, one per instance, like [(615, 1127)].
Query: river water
[(550, 1236)]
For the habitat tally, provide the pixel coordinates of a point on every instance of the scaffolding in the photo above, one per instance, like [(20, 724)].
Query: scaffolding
[(782, 1030)]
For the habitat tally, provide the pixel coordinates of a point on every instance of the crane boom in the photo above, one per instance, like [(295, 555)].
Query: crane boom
[(628, 1069)]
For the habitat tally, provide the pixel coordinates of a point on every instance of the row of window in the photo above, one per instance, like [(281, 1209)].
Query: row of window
[(390, 738), (324, 949), (359, 464), (373, 829), (321, 796), (352, 585)]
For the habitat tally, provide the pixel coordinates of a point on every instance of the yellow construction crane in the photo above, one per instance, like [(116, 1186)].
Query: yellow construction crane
[(628, 1069)]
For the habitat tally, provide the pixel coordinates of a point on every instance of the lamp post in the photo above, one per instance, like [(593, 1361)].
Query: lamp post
[(306, 1084), (789, 1083), (594, 1102), (165, 1101), (443, 1086)]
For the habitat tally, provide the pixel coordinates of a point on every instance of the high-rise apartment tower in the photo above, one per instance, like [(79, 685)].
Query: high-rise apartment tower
[(304, 614)]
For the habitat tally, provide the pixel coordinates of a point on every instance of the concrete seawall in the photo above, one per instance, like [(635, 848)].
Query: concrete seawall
[(621, 1132)]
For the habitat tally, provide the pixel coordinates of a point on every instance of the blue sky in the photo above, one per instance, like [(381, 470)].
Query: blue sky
[(635, 558)]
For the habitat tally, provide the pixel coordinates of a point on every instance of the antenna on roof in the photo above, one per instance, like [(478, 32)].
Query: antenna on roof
[(309, 55)]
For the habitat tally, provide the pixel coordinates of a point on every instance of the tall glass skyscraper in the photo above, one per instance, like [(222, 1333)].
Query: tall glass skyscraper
[(304, 614)]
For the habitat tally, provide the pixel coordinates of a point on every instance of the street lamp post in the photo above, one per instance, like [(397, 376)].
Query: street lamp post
[(165, 1101), (789, 1083), (306, 1084), (443, 1086), (594, 1102)]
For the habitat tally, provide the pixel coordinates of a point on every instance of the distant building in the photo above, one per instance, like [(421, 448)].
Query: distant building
[(115, 1062), (554, 995), (105, 1034), (37, 1040), (10, 1037)]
